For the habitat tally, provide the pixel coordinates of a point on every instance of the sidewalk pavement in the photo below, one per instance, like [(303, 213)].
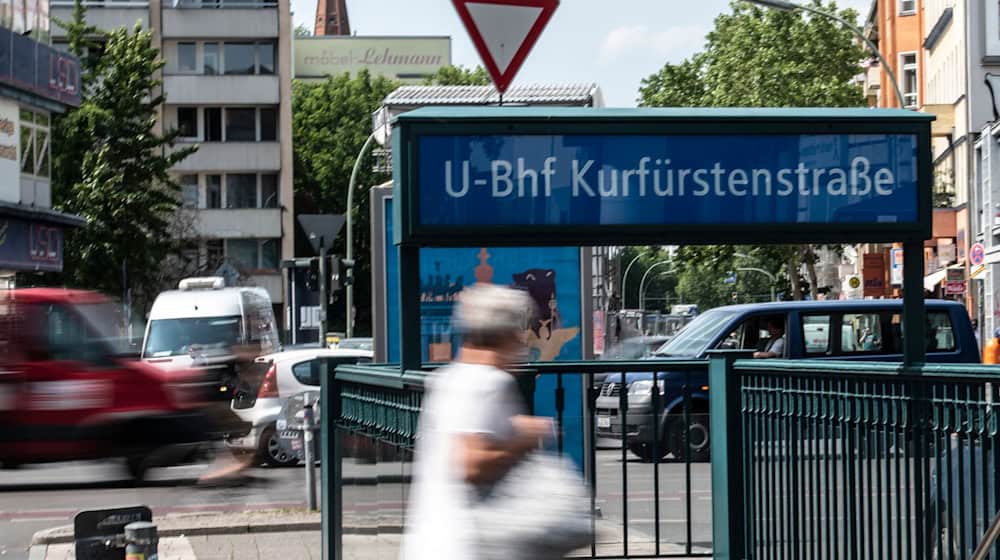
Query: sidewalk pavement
[(292, 534)]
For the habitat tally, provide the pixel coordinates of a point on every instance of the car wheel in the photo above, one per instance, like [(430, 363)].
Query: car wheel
[(644, 450), (698, 441), (271, 452)]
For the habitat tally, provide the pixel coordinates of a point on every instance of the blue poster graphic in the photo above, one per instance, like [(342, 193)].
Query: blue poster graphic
[(550, 275), (633, 180)]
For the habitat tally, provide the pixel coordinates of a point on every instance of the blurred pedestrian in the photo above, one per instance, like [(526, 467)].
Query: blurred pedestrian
[(473, 429), (229, 466), (991, 352)]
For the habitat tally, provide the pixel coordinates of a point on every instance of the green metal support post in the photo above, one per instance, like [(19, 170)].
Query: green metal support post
[(914, 314), (411, 357), (727, 457), (330, 467)]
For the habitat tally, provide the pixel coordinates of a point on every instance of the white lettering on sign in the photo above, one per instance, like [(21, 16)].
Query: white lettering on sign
[(69, 395), (656, 177)]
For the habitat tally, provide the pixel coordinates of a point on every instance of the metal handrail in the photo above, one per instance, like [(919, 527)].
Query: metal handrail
[(982, 550)]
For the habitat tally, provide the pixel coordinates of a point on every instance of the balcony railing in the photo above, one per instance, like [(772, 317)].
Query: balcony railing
[(208, 4), (102, 3)]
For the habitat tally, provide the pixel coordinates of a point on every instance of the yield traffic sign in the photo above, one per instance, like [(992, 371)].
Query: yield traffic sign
[(504, 31)]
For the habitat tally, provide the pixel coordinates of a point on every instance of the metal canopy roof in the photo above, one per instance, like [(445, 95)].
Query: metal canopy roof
[(583, 94), (685, 113)]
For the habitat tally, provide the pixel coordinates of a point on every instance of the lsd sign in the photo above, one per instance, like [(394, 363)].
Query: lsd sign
[(30, 245), (684, 183)]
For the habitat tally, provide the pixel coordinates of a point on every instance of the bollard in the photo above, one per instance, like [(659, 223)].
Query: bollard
[(141, 542), (308, 427)]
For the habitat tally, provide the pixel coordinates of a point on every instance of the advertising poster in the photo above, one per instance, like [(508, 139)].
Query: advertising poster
[(550, 275), (874, 275)]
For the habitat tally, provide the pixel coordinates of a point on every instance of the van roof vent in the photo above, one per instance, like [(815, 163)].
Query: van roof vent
[(205, 283)]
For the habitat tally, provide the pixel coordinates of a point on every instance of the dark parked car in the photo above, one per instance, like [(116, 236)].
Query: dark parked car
[(842, 330)]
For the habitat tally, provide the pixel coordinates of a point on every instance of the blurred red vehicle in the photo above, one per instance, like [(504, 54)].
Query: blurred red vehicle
[(68, 390)]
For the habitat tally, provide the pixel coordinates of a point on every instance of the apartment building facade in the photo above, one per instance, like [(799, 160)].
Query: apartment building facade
[(896, 26), (36, 82), (227, 82)]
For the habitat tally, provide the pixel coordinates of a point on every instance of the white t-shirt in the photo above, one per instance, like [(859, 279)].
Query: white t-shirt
[(777, 345), (460, 399)]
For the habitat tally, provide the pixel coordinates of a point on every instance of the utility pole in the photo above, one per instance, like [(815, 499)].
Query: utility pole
[(323, 298)]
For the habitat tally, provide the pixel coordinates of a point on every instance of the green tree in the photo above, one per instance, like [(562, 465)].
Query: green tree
[(459, 76), (757, 57), (303, 31), (331, 119), (112, 167)]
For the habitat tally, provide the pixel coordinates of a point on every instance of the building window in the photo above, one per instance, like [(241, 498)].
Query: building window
[(210, 59), (265, 57), (254, 254), (242, 253), (270, 254), (269, 190), (911, 82), (189, 191), (214, 253), (241, 190), (240, 58), (187, 122), (907, 7), (241, 125), (213, 124), (268, 125), (213, 191), (187, 57), (35, 143)]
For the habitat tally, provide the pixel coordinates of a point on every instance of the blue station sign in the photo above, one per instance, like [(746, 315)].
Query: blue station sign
[(506, 174)]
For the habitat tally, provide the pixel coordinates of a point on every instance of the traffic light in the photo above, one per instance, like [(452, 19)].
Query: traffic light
[(312, 276), (346, 265)]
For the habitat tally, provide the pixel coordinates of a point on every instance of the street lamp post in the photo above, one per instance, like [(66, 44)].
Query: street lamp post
[(642, 283), (770, 276), (791, 6), (625, 278), (646, 289), (373, 137)]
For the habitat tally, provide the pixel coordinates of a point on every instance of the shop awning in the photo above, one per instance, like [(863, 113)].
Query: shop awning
[(932, 280)]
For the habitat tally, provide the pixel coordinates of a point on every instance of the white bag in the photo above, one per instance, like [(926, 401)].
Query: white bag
[(540, 510)]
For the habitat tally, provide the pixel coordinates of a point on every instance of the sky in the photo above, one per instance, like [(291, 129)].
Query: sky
[(614, 43)]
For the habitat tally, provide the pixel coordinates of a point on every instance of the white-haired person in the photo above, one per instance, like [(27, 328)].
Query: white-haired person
[(472, 427)]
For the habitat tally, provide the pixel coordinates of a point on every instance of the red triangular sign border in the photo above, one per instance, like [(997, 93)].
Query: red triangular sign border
[(502, 80)]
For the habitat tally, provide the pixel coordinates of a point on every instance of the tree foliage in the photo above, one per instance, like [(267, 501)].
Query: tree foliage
[(331, 119), (459, 76), (111, 167), (755, 57), (303, 31)]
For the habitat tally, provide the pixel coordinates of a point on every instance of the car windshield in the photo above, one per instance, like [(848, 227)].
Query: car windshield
[(697, 334), (172, 337)]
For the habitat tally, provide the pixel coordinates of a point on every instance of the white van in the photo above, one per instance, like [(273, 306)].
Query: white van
[(200, 323)]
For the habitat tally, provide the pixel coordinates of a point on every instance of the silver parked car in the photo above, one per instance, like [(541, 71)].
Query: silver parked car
[(258, 400)]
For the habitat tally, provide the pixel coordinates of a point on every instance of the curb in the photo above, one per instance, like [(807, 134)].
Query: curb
[(64, 534)]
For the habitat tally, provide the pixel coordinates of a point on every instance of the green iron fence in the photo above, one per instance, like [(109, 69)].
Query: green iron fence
[(858, 460), (377, 402)]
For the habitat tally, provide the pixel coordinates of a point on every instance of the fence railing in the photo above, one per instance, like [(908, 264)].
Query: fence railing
[(653, 508), (840, 460)]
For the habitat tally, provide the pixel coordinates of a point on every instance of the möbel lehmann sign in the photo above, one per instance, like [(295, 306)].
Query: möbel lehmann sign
[(835, 175)]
